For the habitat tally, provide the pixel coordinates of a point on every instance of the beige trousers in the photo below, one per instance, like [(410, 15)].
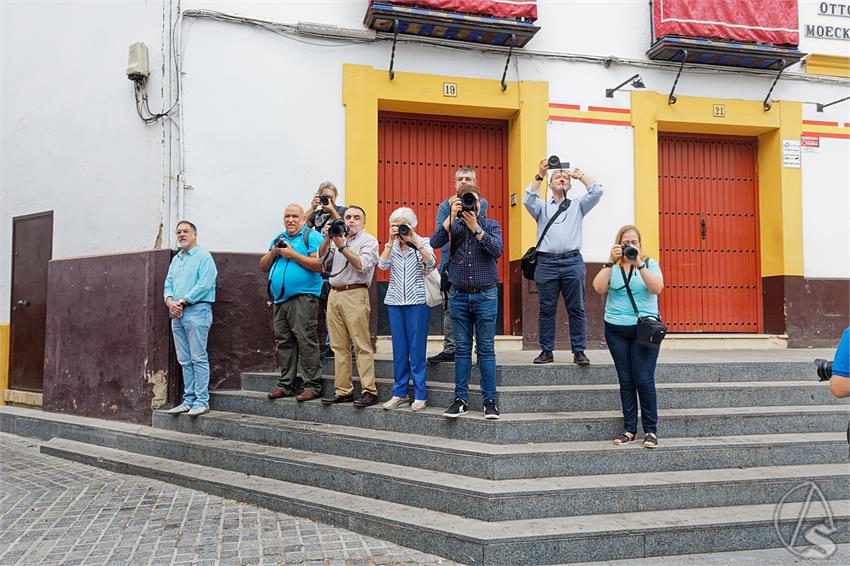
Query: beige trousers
[(348, 322)]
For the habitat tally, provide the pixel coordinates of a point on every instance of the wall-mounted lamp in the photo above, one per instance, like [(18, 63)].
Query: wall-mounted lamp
[(820, 107), (634, 79)]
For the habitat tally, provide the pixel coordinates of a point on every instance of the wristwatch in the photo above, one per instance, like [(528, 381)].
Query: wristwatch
[(342, 249), (641, 266), (608, 264), (479, 231), (538, 177)]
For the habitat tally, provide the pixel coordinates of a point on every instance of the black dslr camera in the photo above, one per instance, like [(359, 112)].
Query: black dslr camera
[(555, 163), (824, 369), (337, 228), (403, 229), (629, 252), (281, 243), (468, 203), (324, 200)]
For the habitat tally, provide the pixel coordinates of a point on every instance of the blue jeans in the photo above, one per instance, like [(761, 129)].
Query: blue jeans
[(190, 341), (636, 371), (475, 311), (564, 277), (409, 328)]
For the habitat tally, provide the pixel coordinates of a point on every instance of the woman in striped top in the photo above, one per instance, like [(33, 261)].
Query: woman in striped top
[(408, 256)]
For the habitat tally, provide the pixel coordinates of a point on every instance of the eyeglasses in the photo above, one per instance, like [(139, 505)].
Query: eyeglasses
[(631, 242), (470, 179)]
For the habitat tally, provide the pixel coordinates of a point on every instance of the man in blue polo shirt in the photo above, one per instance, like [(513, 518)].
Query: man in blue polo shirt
[(294, 285), (189, 294)]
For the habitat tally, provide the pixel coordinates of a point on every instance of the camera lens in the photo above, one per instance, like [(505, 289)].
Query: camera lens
[(403, 229), (630, 253), (554, 162), (324, 200), (824, 369), (281, 243)]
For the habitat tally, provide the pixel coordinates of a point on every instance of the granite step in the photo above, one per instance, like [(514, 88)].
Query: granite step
[(515, 461), (600, 536), (515, 428), (489, 500), (599, 397), (565, 372)]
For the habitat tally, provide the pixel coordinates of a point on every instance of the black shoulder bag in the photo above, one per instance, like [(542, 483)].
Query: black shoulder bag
[(528, 263), (651, 330)]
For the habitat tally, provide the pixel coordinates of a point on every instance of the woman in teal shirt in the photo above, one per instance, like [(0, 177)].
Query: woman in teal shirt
[(635, 363)]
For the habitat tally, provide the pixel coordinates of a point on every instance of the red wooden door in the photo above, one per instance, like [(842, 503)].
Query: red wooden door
[(32, 247), (709, 233), (417, 159)]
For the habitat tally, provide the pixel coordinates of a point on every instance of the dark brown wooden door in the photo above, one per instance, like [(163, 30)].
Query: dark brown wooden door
[(32, 247), (709, 232)]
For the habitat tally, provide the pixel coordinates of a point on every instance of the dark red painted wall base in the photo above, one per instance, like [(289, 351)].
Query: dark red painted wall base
[(812, 312)]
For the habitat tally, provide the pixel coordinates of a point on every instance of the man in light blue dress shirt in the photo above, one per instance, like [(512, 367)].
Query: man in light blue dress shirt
[(189, 294), (560, 266)]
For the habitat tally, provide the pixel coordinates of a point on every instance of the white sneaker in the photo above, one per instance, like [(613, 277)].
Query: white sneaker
[(181, 408), (418, 405), (198, 411), (395, 402)]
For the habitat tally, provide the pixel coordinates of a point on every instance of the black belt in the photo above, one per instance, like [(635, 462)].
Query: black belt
[(473, 290), (564, 255)]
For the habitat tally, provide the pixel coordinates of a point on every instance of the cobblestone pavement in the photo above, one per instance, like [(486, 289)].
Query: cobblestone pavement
[(53, 511)]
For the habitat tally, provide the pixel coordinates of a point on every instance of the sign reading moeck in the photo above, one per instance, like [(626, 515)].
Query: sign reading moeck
[(830, 32)]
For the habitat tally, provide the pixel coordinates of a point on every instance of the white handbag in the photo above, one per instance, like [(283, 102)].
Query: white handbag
[(433, 295)]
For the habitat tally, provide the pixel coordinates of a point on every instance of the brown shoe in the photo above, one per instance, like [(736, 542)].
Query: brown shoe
[(279, 394), (306, 395), (366, 400)]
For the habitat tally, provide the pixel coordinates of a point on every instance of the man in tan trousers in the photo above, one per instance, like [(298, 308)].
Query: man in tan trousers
[(355, 255)]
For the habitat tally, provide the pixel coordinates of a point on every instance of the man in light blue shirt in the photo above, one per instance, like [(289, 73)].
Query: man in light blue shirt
[(189, 294), (560, 266)]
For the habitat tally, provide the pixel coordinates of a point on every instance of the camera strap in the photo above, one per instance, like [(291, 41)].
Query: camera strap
[(565, 204), (627, 288), (306, 238)]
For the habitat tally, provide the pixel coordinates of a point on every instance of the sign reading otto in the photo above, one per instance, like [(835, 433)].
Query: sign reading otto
[(830, 29)]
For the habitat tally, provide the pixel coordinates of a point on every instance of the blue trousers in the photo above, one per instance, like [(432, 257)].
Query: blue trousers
[(409, 328), (561, 277), (190, 343), (475, 311), (636, 371)]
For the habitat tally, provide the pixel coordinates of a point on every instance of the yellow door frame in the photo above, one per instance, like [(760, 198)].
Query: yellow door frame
[(524, 104), (780, 188)]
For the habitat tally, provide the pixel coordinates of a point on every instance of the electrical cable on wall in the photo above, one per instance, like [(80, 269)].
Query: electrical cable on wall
[(138, 72)]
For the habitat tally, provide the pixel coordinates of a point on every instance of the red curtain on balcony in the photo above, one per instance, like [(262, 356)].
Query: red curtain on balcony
[(498, 8), (762, 21)]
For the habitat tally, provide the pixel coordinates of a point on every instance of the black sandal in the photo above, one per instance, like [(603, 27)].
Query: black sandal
[(650, 440), (624, 438)]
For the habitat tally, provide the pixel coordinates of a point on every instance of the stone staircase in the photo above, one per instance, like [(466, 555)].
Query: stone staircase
[(542, 485)]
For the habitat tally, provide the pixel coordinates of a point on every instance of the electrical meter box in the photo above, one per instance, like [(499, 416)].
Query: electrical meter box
[(137, 62)]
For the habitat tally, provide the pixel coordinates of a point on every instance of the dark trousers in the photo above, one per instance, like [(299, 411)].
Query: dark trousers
[(297, 343), (561, 277), (636, 371)]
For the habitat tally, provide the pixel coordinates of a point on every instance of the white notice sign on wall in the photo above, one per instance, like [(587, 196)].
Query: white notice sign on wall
[(791, 153)]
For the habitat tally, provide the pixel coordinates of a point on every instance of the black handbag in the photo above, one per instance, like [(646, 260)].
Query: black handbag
[(651, 330), (528, 263)]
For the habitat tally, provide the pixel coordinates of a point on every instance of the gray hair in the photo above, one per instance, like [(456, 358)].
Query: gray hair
[(466, 169), (404, 215), (327, 185)]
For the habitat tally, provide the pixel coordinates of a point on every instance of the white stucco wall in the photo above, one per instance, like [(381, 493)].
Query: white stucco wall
[(264, 120)]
